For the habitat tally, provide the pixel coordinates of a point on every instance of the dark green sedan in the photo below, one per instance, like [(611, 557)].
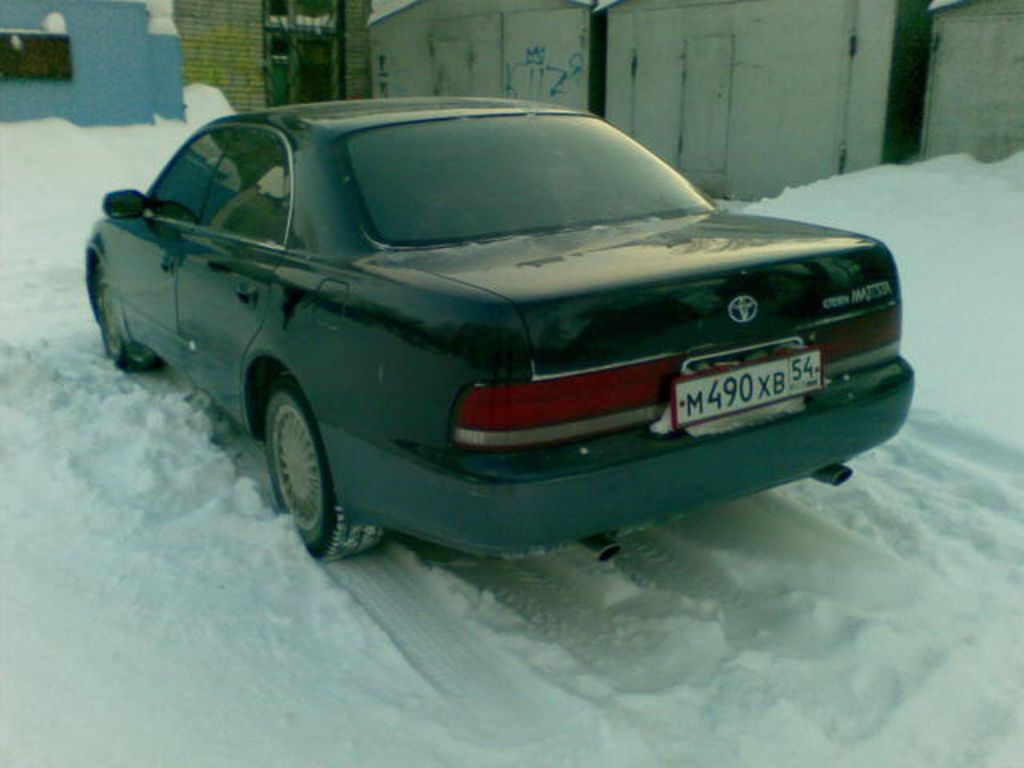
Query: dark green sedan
[(494, 325)]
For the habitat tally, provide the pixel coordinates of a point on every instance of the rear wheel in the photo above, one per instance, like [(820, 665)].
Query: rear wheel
[(302, 481), (128, 355)]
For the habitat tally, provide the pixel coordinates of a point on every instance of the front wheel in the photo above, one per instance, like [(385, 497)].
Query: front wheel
[(301, 478), (128, 355)]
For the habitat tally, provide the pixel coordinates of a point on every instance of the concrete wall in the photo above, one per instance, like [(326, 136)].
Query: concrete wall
[(750, 96), (526, 49), (121, 74), (976, 82)]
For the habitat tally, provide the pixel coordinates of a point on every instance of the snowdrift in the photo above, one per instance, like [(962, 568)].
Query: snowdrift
[(154, 611)]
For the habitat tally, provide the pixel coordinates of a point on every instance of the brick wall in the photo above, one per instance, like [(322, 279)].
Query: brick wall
[(222, 45), (357, 49)]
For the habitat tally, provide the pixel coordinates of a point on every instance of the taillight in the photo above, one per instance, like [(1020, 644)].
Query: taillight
[(859, 341), (504, 416), (567, 408)]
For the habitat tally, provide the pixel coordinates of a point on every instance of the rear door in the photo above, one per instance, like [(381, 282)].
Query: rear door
[(227, 262)]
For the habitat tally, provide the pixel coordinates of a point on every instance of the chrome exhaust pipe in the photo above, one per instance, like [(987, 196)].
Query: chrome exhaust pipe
[(604, 545), (833, 474)]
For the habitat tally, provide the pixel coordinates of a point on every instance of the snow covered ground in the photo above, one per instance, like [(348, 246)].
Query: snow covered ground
[(154, 612)]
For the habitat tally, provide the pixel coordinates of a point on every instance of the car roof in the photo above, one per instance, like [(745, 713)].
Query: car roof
[(346, 116)]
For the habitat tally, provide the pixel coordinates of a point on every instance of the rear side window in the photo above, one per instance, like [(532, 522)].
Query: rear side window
[(455, 180), (250, 194), (180, 192)]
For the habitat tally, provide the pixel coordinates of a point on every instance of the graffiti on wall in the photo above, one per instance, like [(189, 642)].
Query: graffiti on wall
[(538, 75)]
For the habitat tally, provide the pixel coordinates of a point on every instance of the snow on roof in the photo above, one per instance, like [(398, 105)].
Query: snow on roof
[(935, 5), (161, 15), (381, 9), (55, 24)]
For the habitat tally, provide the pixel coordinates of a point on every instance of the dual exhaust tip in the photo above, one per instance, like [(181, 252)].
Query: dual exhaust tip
[(603, 545), (606, 547), (833, 474)]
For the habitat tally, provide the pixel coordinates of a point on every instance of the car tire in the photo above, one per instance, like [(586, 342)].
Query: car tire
[(301, 478), (127, 354)]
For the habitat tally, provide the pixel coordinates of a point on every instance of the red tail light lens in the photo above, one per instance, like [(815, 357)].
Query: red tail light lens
[(558, 410), (876, 334), (503, 416)]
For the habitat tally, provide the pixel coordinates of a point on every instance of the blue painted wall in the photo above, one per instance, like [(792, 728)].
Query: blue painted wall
[(121, 74)]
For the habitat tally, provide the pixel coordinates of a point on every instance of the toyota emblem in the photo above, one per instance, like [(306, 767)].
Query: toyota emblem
[(743, 308)]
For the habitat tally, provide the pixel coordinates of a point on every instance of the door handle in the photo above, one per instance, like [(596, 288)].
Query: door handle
[(167, 263), (246, 293)]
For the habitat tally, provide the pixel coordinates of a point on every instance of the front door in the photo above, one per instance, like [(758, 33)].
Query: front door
[(153, 244), (146, 277), (305, 49)]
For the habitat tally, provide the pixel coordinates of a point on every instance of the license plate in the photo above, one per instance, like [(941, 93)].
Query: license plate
[(718, 392)]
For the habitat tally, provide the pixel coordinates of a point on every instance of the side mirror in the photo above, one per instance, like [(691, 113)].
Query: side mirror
[(124, 204)]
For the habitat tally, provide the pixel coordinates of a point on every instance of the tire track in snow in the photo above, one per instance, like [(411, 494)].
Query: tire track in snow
[(510, 703), (440, 647), (394, 588), (772, 574), (941, 494), (626, 636), (680, 599)]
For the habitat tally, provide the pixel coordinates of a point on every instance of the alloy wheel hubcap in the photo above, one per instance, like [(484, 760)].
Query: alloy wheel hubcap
[(108, 319), (298, 470)]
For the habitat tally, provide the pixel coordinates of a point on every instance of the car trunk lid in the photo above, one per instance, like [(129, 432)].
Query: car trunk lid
[(613, 295)]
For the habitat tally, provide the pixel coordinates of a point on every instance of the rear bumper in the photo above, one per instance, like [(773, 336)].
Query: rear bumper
[(515, 502)]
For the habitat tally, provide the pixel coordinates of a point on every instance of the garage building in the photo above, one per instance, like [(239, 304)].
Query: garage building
[(525, 49), (976, 83), (749, 96)]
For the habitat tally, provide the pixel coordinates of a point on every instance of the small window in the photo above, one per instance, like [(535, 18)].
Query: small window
[(250, 194), (316, 8), (35, 55), (278, 46), (182, 187)]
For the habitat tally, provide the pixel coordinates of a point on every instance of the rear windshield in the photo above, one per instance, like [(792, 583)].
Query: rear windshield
[(476, 178)]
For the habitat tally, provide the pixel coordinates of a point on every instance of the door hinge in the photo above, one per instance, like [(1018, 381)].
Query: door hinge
[(842, 157), (632, 66), (853, 46)]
